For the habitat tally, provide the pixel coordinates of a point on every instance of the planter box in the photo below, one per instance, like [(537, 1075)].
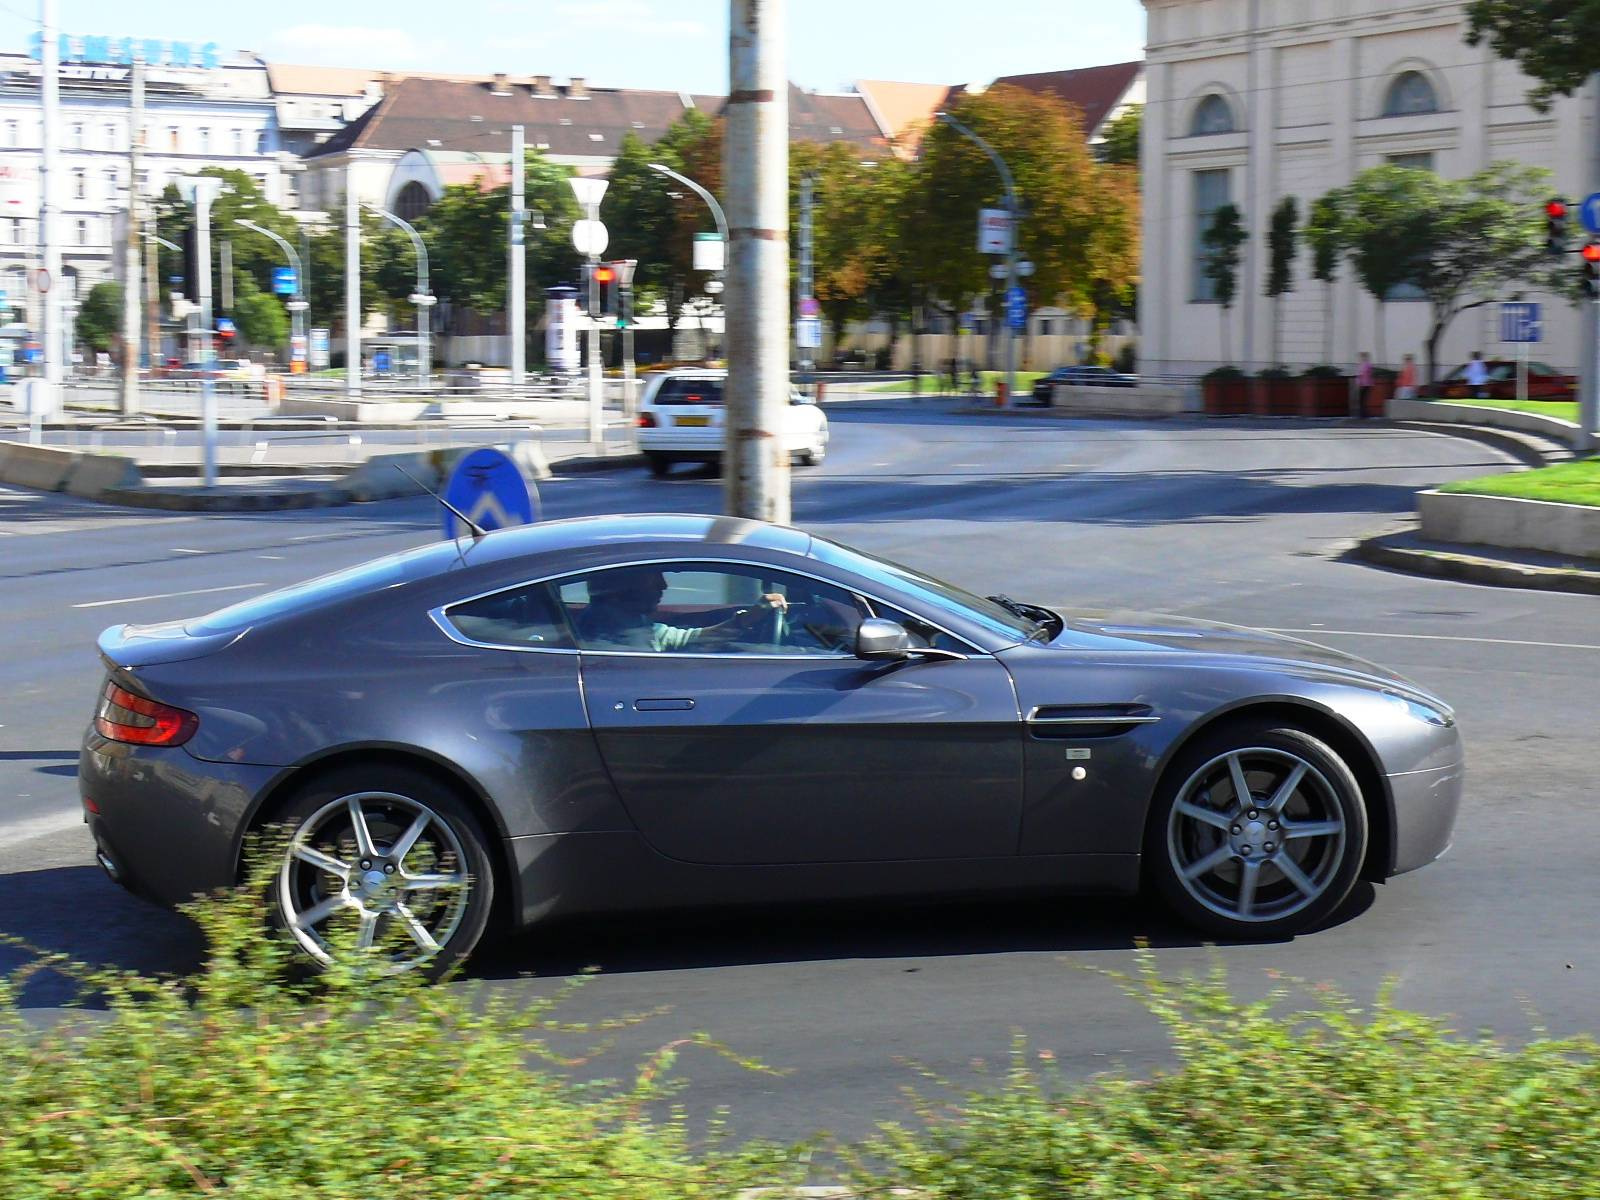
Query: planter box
[(1227, 397), (1570, 529), (1324, 397)]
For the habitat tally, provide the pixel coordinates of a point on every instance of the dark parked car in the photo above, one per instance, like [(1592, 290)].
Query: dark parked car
[(1544, 383), (633, 712), (1044, 388)]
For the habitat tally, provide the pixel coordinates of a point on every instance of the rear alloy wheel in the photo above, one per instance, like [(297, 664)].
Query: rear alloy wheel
[(388, 860), (1260, 833)]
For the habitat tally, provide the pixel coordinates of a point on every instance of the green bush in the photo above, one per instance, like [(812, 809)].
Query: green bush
[(1322, 371), (1267, 1102), (243, 1083), (1222, 373), (1127, 360), (1275, 373)]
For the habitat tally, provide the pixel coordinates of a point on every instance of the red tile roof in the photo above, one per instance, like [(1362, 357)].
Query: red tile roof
[(1095, 91)]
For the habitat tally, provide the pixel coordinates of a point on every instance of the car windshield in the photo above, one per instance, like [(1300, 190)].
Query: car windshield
[(997, 619), (689, 391)]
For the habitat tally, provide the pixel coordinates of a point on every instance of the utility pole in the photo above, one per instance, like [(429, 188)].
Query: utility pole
[(130, 249), (49, 164), (589, 238), (200, 191), (1589, 323), (352, 287), (755, 455), (805, 280), (517, 302), (296, 306)]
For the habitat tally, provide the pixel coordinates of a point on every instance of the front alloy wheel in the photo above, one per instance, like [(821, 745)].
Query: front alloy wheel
[(1264, 835), (398, 866)]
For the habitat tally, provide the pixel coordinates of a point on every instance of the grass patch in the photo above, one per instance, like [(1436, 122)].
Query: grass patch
[(1567, 483), (931, 384), (246, 1084), (1567, 410)]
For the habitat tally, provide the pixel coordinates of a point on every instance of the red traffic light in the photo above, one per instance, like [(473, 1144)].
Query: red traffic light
[(1556, 209), (1591, 252), (605, 274)]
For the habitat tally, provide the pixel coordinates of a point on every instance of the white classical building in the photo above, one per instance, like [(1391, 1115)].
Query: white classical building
[(1253, 100)]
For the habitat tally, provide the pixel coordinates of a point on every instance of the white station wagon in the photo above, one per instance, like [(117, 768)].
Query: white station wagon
[(681, 420)]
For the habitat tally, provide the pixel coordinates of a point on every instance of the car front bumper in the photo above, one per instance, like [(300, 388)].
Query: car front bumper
[(1425, 806), (166, 825)]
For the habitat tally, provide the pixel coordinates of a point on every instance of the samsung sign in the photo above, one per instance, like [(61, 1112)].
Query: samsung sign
[(122, 51)]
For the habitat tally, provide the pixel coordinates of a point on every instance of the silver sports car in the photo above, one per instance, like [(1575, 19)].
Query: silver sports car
[(641, 711)]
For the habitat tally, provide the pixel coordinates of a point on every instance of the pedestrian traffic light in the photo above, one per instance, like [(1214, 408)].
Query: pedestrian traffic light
[(1555, 223), (1591, 270), (625, 307)]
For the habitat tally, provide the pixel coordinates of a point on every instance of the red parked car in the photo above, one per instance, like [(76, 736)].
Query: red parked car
[(1544, 383)]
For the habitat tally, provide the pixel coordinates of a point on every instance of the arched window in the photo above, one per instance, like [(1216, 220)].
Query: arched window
[(1409, 94), (412, 201), (1215, 115)]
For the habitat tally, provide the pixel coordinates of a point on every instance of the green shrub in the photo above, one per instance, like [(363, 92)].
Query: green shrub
[(1267, 1102), (245, 1084), (1275, 373), (1219, 374), (1127, 360), (1322, 371)]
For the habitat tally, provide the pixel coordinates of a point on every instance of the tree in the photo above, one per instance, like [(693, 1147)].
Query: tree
[(1556, 42), (1121, 147), (1222, 239), (1283, 244), (253, 254), (100, 318), (1080, 219), (1460, 241), (260, 317), (1325, 235)]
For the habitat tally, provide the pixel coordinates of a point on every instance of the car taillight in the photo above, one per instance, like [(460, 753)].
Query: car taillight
[(647, 420), (125, 717)]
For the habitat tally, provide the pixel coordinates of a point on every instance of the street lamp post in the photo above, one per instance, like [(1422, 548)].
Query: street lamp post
[(297, 307), (201, 190), (1011, 248), (422, 298), (590, 239)]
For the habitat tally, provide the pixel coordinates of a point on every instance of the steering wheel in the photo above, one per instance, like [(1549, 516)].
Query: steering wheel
[(773, 628)]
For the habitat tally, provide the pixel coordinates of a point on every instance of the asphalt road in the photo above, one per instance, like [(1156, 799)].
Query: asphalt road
[(1229, 520)]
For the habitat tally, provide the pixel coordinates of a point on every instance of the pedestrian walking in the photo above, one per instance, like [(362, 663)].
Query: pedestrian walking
[(1478, 376), (1405, 383), (1363, 385)]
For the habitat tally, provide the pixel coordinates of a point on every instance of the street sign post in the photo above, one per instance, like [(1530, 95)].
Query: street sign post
[(492, 489), (1589, 214), (808, 333), (994, 231), (283, 281), (1017, 308), (1521, 322), (319, 349)]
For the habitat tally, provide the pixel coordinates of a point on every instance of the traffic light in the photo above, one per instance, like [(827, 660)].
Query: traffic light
[(602, 284), (1591, 270), (1555, 222), (625, 306)]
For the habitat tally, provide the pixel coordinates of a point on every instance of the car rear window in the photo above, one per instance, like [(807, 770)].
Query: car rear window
[(689, 391)]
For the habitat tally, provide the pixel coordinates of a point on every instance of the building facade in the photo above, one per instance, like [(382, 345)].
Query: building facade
[(1250, 101)]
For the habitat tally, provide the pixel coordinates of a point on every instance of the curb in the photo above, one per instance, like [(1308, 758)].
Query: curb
[(1519, 446), (1464, 566)]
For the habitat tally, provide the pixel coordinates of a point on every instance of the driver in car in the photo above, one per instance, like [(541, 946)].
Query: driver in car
[(622, 614)]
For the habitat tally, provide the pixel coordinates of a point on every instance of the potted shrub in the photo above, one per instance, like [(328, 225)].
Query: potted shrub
[(1382, 391), (1276, 393), (1226, 391), (1324, 392)]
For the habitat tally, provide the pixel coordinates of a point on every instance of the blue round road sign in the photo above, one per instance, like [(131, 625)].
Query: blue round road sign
[(490, 488), (1589, 214)]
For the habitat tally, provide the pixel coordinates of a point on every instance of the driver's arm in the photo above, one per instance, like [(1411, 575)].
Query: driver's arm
[(746, 620)]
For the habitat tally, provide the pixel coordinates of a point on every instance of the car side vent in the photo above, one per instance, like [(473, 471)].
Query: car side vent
[(1078, 721)]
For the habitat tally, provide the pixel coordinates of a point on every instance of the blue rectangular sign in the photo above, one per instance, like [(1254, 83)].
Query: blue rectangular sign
[(283, 281), (1521, 322)]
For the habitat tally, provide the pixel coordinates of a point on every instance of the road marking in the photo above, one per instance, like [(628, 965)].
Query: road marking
[(1440, 637), (271, 557), (233, 587), (181, 550)]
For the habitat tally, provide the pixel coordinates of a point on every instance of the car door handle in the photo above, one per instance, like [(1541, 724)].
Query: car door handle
[(676, 704)]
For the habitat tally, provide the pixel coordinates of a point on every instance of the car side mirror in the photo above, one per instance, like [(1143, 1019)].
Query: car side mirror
[(877, 637)]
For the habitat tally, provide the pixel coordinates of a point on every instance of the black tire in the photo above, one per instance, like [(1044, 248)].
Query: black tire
[(1181, 841), (451, 845), (813, 457), (660, 464)]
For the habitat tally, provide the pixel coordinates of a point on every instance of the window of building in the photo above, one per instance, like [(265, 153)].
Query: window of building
[(80, 185), (111, 183), (174, 138), (16, 232), (1210, 194), (83, 233), (1410, 94), (75, 138), (261, 142), (205, 140), (238, 141), (1215, 115), (412, 201), (1421, 161), (111, 137)]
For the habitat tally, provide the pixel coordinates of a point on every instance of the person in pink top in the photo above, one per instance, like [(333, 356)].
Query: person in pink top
[(1363, 385)]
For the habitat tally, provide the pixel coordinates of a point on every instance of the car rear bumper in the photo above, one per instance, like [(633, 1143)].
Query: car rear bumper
[(167, 825), (1425, 808), (708, 443)]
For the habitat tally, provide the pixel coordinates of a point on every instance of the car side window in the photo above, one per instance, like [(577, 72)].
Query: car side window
[(520, 618), (923, 635), (706, 608)]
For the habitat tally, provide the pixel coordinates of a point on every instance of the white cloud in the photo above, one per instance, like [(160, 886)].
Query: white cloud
[(344, 45), (636, 17)]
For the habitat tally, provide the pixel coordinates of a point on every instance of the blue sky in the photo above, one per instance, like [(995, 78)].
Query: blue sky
[(630, 43)]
